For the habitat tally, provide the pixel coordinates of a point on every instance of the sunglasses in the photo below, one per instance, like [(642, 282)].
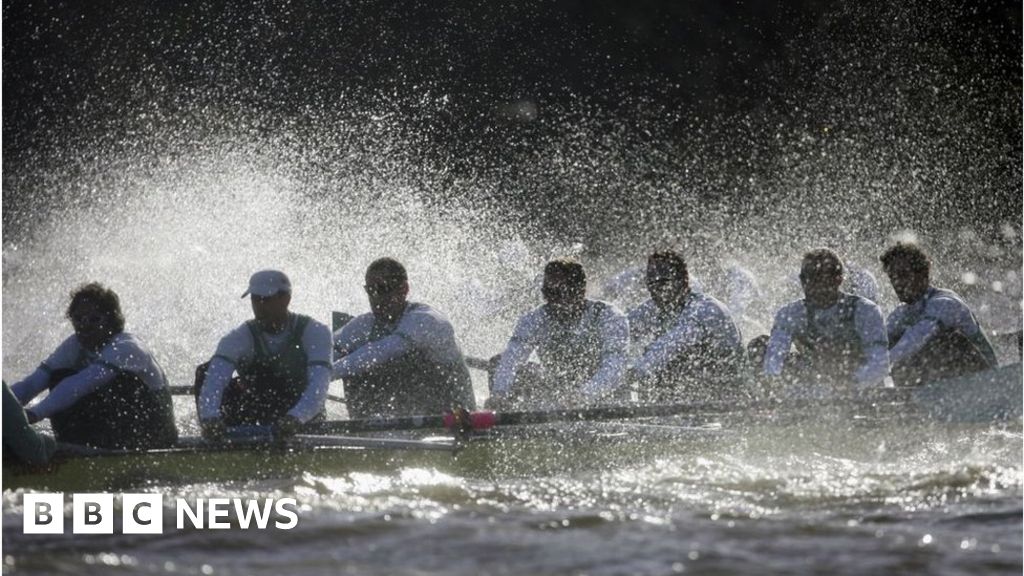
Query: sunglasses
[(380, 289), (92, 319), (558, 291)]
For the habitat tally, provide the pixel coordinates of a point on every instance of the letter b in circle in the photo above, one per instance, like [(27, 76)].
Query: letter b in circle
[(43, 513)]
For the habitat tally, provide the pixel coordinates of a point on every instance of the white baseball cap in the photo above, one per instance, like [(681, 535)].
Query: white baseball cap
[(267, 283)]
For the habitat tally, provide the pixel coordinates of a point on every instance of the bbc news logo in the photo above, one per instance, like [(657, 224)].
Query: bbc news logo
[(144, 513)]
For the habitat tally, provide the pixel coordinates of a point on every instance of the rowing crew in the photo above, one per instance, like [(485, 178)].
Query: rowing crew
[(106, 389)]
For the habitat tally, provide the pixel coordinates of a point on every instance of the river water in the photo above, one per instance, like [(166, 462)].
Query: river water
[(818, 497), (170, 153)]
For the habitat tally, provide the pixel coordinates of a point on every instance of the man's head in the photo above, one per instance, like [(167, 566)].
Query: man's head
[(821, 274), (909, 271), (565, 287), (270, 292), (95, 314), (387, 287), (668, 280)]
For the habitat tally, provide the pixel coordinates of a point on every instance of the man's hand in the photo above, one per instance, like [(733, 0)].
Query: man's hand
[(286, 426)]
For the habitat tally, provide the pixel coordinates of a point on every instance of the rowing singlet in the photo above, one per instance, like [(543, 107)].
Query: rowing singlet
[(268, 383)]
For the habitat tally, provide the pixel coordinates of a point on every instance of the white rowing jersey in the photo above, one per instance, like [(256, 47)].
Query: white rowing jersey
[(853, 324), (704, 327), (238, 348), (123, 353), (911, 326), (743, 293), (587, 357), (420, 328)]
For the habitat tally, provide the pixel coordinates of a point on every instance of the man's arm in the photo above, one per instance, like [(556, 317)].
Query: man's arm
[(779, 342), (893, 325), (218, 375), (371, 355), (913, 340), (317, 343), (614, 354), (231, 350), (65, 356), (875, 346), (72, 388), (663, 350), (516, 353), (27, 389), (941, 312), (351, 336)]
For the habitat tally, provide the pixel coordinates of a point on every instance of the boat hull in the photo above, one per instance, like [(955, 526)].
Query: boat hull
[(946, 406)]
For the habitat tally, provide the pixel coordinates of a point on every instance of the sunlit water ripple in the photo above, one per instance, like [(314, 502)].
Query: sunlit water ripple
[(766, 500)]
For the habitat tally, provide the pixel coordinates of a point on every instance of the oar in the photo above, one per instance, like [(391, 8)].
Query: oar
[(264, 435), (240, 435), (315, 440), (187, 391), (484, 419)]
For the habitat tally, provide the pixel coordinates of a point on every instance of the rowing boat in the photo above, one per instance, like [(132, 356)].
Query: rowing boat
[(521, 443)]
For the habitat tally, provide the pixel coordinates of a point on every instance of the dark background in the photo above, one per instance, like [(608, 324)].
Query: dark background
[(670, 105)]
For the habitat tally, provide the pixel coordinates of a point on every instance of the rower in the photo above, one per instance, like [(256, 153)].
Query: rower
[(582, 345), (737, 285), (932, 334), (687, 340), (106, 389), (839, 337), (401, 358), (282, 361)]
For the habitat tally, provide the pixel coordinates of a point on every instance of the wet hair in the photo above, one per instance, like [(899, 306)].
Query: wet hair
[(389, 268), (103, 298), (909, 255), (671, 259), (821, 262), (569, 269)]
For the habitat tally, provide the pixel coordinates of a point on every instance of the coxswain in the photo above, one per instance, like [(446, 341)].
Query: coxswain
[(687, 343), (932, 334), (402, 357), (582, 345), (839, 337), (273, 370), (106, 389)]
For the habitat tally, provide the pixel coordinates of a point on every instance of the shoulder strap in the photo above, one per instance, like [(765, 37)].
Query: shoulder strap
[(301, 321), (259, 346), (809, 329)]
